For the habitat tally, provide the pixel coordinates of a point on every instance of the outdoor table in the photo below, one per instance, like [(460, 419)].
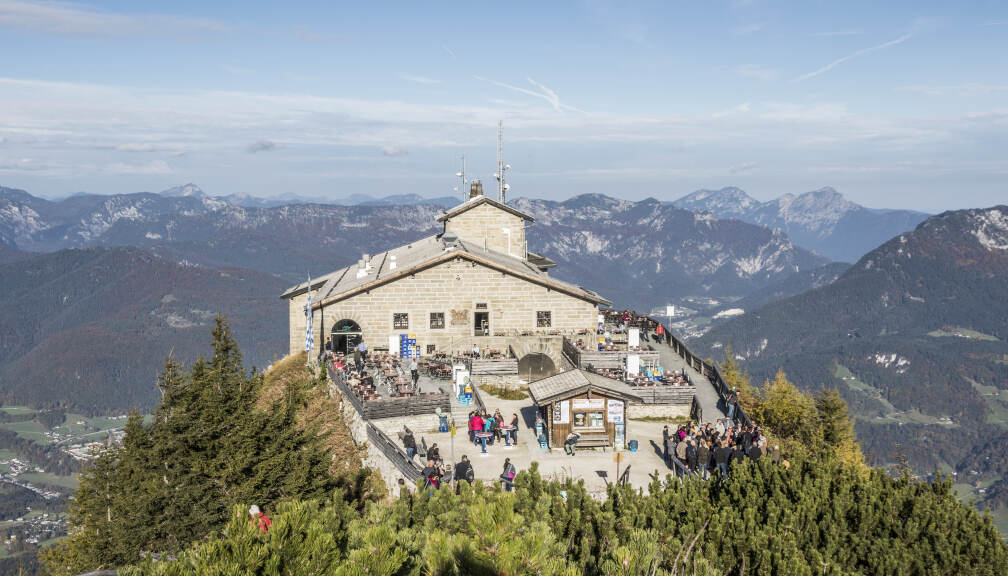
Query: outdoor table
[(482, 437), (510, 432)]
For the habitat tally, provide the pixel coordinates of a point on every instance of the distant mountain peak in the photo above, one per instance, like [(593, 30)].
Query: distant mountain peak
[(184, 190), (991, 228), (728, 202)]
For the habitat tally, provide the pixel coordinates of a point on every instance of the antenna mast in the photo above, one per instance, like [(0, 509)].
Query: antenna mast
[(462, 185), (502, 187)]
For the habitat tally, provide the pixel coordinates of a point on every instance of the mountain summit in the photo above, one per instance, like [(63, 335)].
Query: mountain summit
[(821, 220)]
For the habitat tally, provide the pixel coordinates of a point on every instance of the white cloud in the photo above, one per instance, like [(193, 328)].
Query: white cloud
[(419, 79), (150, 168), (748, 29), (743, 167), (968, 89), (64, 18), (861, 52), (544, 93), (136, 147), (394, 151)]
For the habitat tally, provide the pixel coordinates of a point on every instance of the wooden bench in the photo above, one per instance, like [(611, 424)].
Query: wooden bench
[(593, 440)]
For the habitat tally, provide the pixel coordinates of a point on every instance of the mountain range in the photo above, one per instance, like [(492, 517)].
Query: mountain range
[(915, 336), (126, 279), (821, 220)]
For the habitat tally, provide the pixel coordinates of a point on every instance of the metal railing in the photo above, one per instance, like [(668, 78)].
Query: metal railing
[(391, 450)]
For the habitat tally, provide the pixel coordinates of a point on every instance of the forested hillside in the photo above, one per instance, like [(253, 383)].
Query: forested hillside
[(85, 330), (915, 335), (222, 440)]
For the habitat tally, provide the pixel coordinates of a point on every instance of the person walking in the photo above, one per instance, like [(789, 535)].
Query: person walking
[(414, 372), (508, 475), (732, 400), (409, 443)]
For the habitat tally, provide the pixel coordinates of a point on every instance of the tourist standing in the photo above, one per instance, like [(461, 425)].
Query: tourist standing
[(414, 372), (464, 471)]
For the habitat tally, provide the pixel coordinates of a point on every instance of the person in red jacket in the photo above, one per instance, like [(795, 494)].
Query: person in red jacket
[(261, 520), (475, 425)]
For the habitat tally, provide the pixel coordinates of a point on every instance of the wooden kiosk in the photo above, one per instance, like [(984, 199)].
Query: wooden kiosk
[(591, 405)]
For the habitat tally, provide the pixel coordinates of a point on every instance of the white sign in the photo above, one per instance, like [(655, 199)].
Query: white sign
[(632, 365), (614, 412), (588, 403), (601, 319), (670, 311), (561, 412), (633, 337), (393, 344)]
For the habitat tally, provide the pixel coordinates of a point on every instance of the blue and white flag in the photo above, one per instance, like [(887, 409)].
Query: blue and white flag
[(309, 342)]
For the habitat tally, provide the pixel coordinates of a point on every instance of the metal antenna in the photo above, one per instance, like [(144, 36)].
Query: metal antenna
[(502, 187), (462, 186)]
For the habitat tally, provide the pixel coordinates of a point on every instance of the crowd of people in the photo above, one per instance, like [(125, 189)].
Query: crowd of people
[(485, 428), (713, 448), (436, 475)]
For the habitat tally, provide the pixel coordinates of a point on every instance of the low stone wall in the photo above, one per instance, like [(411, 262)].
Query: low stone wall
[(679, 395), (510, 381), (658, 411)]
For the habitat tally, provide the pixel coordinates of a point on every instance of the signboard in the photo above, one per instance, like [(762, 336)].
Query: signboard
[(619, 436), (632, 365), (633, 337), (561, 412), (601, 319), (588, 403), (670, 311), (614, 412)]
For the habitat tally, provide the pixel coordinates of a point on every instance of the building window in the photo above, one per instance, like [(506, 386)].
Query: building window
[(481, 306), (400, 321), (436, 320), (431, 348), (544, 319)]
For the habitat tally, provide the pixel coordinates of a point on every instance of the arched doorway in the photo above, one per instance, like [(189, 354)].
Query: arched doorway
[(345, 336), (535, 366)]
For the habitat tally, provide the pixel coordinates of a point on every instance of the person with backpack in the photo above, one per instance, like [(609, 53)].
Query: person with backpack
[(570, 444), (464, 471), (508, 475)]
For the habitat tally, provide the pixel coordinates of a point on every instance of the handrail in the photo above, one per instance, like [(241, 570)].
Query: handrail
[(391, 450), (706, 369)]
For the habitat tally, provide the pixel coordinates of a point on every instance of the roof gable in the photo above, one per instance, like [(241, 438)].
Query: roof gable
[(576, 382), (479, 201)]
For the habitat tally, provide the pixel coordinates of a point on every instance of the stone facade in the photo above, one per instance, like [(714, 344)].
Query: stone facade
[(455, 289), (504, 232)]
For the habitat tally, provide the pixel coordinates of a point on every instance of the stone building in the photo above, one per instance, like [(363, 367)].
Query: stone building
[(475, 283)]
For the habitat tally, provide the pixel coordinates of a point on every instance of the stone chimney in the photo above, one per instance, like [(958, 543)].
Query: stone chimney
[(475, 189)]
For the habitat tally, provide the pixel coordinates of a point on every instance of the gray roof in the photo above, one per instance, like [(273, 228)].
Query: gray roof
[(573, 382), (404, 260), (474, 202)]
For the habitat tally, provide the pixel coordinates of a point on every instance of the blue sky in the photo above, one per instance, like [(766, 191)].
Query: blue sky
[(898, 104)]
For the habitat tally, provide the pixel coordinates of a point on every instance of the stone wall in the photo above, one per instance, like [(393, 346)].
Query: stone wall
[(658, 411), (486, 221), (453, 288)]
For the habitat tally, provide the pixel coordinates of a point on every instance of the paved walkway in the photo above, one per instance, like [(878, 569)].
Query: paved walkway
[(595, 467), (705, 392)]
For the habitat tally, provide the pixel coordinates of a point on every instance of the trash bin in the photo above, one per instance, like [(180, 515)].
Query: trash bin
[(632, 445)]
